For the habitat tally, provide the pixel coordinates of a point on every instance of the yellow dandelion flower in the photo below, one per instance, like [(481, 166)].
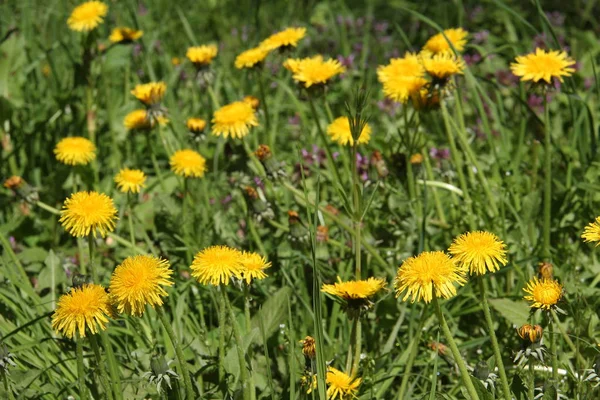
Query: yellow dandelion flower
[(87, 16), (316, 71), (479, 251), (217, 265), (253, 266), (82, 308), (175, 61), (188, 163), (251, 58), (138, 281), (339, 131), (409, 66), (75, 151), (439, 44), (287, 38), (130, 180), (419, 276), (402, 88), (234, 120), (441, 66), (544, 293), (124, 35), (252, 100), (196, 124), (292, 65), (138, 120), (543, 65), (150, 93), (340, 385), (354, 290), (202, 55), (591, 233), (85, 213)]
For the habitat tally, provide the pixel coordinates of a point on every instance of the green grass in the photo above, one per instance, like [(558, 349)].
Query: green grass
[(498, 133)]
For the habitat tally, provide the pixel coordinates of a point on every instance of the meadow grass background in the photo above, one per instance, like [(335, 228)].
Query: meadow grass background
[(43, 99)]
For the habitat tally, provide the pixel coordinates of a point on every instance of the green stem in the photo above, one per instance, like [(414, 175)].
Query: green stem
[(91, 253), (458, 164), (222, 325), (565, 336), (547, 181), (179, 352), (239, 347), (113, 368), (155, 162), (414, 346), (248, 331), (130, 218), (80, 371), (325, 141), (553, 352), (464, 373), (436, 198), (497, 355), (7, 388), (263, 102), (102, 371), (357, 214), (531, 379), (357, 347)]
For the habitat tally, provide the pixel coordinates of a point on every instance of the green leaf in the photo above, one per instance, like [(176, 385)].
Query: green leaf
[(482, 392), (516, 312)]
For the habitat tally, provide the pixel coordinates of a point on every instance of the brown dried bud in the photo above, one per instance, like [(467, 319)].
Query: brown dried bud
[(416, 158), (309, 347), (293, 217), (263, 152), (332, 210), (253, 101), (322, 233), (251, 192), (545, 270), (438, 347), (14, 182)]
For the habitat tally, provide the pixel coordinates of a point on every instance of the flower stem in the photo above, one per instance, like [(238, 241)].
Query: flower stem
[(102, 371), (179, 352), (455, 352), (113, 369), (240, 350), (553, 352), (531, 378), (80, 371), (155, 162), (92, 266), (490, 323), (567, 338), (547, 181), (357, 347), (130, 218), (324, 140), (263, 102), (412, 355), (222, 325)]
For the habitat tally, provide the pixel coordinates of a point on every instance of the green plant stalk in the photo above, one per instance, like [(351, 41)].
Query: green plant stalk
[(567, 338), (246, 389), (324, 140), (178, 352), (184, 224), (130, 218), (495, 347), (92, 258), (414, 346), (101, 370), (553, 352), (263, 103), (547, 181), (155, 163), (436, 198), (80, 371), (222, 324), (531, 379), (113, 368), (248, 330), (464, 373), (7, 388), (458, 163), (357, 348)]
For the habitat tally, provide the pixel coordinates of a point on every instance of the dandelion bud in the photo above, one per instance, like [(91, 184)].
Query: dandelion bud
[(481, 371), (161, 372), (253, 101), (293, 217), (263, 152), (322, 233), (14, 182), (309, 347), (298, 232), (272, 166), (22, 189), (438, 347), (545, 270), (261, 208), (416, 159), (380, 164), (531, 333)]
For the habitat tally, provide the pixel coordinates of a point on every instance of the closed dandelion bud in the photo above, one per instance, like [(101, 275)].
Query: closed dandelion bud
[(481, 371), (298, 232), (416, 159), (196, 127), (253, 101), (6, 359), (79, 280), (380, 164), (531, 333), (22, 189), (161, 372), (309, 347), (545, 270), (261, 208), (322, 234), (272, 166), (439, 348)]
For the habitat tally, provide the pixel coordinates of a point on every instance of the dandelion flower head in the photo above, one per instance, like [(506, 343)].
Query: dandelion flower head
[(216, 265), (479, 251), (339, 131), (138, 282), (441, 66), (286, 38), (354, 290), (202, 55), (86, 213), (438, 43), (130, 180), (75, 151), (316, 71), (591, 233), (150, 93), (543, 294), (82, 308), (251, 58), (543, 65), (188, 163), (195, 124), (234, 120), (340, 385), (253, 266), (419, 276), (125, 35), (138, 120), (87, 16)]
